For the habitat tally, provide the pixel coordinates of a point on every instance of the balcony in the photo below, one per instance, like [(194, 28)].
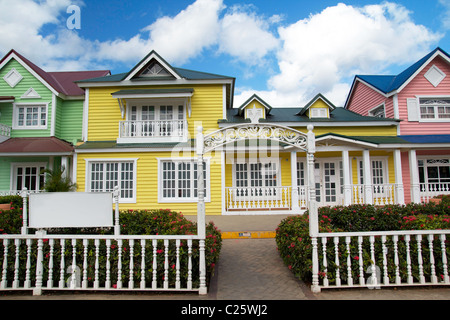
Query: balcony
[(145, 131)]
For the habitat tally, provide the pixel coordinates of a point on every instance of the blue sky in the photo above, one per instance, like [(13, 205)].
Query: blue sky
[(285, 51)]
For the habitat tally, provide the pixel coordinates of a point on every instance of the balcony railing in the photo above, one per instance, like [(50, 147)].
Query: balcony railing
[(153, 129)]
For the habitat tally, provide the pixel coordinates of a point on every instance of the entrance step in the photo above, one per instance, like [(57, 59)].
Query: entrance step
[(248, 234)]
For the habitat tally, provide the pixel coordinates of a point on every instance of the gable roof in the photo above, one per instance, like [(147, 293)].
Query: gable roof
[(314, 100), (293, 117), (57, 82), (390, 84), (176, 73), (257, 98)]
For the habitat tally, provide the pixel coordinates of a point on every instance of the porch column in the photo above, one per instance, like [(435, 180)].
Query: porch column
[(399, 190), (295, 196), (65, 165), (347, 183), (414, 173), (367, 178)]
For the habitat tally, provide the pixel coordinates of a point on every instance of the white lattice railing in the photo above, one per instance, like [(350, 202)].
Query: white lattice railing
[(381, 259), (254, 198), (152, 128), (99, 262), (431, 190)]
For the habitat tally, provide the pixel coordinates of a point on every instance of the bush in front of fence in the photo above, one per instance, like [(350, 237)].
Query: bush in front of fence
[(132, 222), (294, 243)]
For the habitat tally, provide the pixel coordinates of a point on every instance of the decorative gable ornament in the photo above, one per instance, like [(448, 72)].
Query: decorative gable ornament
[(13, 77), (435, 76), (31, 94), (254, 114)]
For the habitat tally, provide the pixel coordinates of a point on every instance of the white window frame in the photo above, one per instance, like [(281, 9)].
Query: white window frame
[(89, 163), (372, 112), (385, 162), (177, 199), (16, 165), (435, 108), (425, 160), (157, 103), (319, 112), (250, 161), (16, 107)]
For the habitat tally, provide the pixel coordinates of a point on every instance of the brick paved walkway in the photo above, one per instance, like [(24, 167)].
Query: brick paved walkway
[(252, 269)]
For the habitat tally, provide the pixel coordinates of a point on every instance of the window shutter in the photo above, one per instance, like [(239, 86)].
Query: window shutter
[(413, 109)]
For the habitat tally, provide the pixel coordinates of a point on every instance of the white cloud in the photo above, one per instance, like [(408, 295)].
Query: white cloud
[(177, 38), (445, 14), (317, 54), (320, 53), (246, 37)]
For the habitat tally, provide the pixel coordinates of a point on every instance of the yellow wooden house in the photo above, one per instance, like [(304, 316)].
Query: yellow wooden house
[(139, 132)]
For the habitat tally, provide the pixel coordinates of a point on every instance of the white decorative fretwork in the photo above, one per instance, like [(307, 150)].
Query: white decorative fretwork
[(256, 131)]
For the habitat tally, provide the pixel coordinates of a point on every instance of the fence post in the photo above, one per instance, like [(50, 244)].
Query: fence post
[(37, 291), (312, 208), (116, 211), (201, 211), (24, 195)]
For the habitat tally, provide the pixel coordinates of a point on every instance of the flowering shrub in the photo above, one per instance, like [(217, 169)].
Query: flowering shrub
[(294, 244), (132, 222)]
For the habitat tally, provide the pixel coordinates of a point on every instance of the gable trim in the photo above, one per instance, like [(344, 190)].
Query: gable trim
[(144, 62), (30, 70), (423, 66)]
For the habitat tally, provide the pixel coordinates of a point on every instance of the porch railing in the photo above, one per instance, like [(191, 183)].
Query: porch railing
[(254, 198), (152, 128), (100, 262), (431, 190), (381, 259), (382, 194)]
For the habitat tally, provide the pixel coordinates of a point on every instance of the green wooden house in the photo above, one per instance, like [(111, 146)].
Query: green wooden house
[(41, 118)]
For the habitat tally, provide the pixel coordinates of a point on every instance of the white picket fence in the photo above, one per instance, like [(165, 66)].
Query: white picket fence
[(380, 259), (101, 263)]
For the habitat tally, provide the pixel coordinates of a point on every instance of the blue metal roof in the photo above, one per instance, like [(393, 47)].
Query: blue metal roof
[(389, 83), (438, 138)]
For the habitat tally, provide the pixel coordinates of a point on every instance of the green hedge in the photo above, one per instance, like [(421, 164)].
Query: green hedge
[(133, 222), (294, 244)]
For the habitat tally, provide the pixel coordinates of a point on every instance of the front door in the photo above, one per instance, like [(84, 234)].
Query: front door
[(327, 180)]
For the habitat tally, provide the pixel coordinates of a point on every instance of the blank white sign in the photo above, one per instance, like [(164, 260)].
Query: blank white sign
[(70, 210)]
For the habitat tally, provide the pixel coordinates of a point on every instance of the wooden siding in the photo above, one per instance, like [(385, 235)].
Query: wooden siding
[(104, 111), (420, 86), (70, 121), (28, 81), (354, 131), (364, 99), (147, 182)]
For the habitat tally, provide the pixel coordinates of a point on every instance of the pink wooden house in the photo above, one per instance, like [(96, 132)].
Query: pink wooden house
[(420, 98)]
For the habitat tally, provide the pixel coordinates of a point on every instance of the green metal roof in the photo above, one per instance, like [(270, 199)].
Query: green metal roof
[(94, 145), (292, 115), (184, 73)]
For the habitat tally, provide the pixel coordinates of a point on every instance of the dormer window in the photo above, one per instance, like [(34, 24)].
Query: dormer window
[(319, 113), (378, 112)]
